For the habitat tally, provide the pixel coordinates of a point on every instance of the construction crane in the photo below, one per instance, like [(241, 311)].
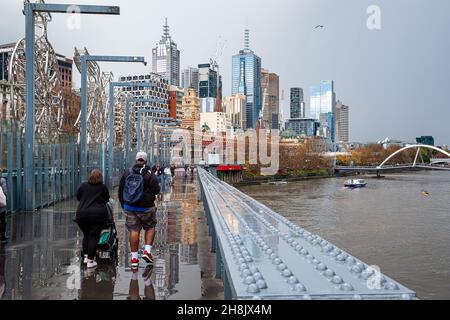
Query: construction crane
[(214, 62)]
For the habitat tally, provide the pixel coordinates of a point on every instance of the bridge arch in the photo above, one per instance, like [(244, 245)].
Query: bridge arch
[(414, 146)]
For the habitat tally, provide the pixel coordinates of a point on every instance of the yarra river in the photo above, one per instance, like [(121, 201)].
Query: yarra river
[(390, 223)]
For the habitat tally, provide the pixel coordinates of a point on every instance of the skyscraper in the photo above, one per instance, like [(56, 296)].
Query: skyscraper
[(342, 122), (166, 58), (207, 87), (297, 103), (246, 80), (234, 107), (270, 83), (322, 107), (189, 78)]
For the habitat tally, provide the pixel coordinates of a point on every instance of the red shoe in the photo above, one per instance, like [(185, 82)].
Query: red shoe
[(134, 263), (147, 256)]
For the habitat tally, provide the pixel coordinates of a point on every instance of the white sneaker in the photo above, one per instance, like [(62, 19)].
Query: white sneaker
[(91, 264), (85, 259)]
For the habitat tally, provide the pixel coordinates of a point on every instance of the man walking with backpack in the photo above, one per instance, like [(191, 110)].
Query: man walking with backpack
[(137, 193)]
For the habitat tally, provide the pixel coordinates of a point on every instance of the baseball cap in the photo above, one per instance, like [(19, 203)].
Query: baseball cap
[(141, 156)]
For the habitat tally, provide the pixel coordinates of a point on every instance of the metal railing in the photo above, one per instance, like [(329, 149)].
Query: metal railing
[(262, 255)]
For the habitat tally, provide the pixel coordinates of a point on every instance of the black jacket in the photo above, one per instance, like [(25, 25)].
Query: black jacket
[(92, 207), (151, 187)]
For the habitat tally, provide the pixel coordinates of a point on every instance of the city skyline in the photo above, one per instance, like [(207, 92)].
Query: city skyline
[(381, 79)]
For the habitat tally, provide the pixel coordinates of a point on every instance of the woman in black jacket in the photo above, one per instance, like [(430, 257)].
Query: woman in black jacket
[(92, 214)]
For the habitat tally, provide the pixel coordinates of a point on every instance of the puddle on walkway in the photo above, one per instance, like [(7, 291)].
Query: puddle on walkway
[(41, 261)]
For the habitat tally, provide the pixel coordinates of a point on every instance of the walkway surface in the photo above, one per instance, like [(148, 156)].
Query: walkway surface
[(42, 260)]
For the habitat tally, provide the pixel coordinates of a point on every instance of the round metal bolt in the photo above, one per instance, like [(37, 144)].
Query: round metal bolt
[(261, 284), (340, 257), (265, 247), (334, 253), (323, 243), (298, 248), (248, 259), (249, 280), (356, 269), (337, 280), (328, 248), (294, 243), (300, 287), (329, 273), (277, 261), (315, 261), (269, 251), (347, 287), (366, 274), (321, 267), (292, 280), (304, 252), (273, 256), (257, 276), (281, 266), (287, 273), (253, 269), (350, 260), (391, 286), (243, 266), (252, 288), (361, 266), (290, 240), (241, 260), (245, 273), (310, 257)]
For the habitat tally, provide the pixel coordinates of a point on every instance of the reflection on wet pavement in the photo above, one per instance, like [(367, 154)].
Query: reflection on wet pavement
[(41, 261)]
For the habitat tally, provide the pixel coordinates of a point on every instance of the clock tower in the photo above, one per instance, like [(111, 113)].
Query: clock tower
[(191, 110)]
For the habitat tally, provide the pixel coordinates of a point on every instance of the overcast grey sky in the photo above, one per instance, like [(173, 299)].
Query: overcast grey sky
[(395, 80)]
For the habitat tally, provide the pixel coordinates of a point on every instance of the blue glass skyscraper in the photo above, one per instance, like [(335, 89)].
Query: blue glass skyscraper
[(323, 106), (246, 80)]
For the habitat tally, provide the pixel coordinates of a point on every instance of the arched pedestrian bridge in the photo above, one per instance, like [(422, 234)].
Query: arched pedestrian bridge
[(442, 164)]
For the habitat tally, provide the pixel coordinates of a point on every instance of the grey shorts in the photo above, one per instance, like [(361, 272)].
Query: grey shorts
[(136, 221)]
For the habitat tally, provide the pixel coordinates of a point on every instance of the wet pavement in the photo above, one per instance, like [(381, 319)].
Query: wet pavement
[(42, 259)]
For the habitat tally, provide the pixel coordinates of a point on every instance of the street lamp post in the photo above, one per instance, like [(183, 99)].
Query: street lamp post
[(29, 10)]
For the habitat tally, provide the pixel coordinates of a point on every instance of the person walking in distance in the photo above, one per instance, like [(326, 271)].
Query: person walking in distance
[(3, 203), (137, 193)]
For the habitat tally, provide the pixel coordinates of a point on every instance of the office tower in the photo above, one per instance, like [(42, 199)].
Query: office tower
[(166, 58), (302, 126), (270, 83), (235, 110), (189, 78), (207, 87), (176, 103), (191, 110), (297, 103), (160, 91), (342, 122), (322, 107), (246, 80), (217, 122)]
